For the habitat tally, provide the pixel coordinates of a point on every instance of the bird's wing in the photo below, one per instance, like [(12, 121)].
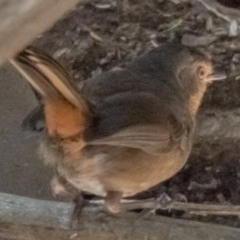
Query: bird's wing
[(152, 139), (137, 121)]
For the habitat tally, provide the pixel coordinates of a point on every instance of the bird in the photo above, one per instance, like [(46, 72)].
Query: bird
[(125, 130)]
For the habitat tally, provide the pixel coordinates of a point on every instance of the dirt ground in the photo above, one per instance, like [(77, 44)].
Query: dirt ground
[(22, 172), (100, 34)]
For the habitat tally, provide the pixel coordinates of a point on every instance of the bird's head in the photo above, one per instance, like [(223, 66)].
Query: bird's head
[(194, 73)]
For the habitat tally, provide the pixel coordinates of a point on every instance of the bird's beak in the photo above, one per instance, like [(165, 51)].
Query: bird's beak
[(217, 77)]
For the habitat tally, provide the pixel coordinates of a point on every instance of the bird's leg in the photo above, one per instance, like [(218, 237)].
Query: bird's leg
[(66, 191), (79, 203), (113, 201)]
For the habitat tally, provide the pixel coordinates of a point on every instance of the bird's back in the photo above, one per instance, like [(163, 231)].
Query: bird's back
[(145, 92)]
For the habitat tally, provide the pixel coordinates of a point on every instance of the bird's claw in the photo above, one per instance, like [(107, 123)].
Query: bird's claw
[(75, 218), (163, 201)]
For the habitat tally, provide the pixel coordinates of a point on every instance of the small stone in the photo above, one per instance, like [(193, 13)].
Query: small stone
[(194, 41), (175, 1)]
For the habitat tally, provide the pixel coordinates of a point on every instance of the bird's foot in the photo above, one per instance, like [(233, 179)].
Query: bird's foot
[(77, 210), (163, 201), (62, 189), (65, 191)]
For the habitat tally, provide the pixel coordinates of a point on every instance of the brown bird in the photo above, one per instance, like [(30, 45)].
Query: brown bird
[(125, 130)]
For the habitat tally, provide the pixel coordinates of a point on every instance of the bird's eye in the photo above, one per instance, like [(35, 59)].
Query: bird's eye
[(201, 72)]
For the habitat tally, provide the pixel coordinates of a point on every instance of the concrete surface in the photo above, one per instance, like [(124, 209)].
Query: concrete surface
[(21, 170)]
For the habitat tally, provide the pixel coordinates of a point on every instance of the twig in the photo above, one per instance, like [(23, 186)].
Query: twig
[(227, 14), (206, 209), (213, 8), (92, 34), (191, 208)]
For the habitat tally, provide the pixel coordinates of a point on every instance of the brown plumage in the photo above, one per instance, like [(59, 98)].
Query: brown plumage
[(127, 129)]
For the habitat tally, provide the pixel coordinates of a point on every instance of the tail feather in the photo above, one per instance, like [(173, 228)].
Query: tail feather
[(47, 76), (65, 109)]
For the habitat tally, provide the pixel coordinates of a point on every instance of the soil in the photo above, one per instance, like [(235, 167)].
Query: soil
[(101, 34)]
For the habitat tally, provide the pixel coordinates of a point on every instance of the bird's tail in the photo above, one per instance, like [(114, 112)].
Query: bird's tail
[(66, 112)]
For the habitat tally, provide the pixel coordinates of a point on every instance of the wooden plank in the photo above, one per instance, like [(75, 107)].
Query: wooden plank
[(25, 218), (22, 20)]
